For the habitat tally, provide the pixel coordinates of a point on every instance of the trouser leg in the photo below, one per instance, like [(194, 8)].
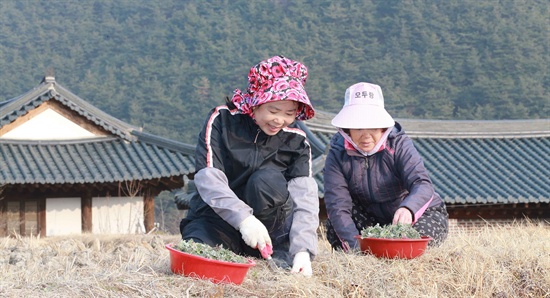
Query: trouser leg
[(434, 223), (332, 237), (203, 225), (360, 218), (267, 194)]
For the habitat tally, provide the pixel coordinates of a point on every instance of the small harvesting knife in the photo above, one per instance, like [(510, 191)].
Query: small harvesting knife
[(266, 254)]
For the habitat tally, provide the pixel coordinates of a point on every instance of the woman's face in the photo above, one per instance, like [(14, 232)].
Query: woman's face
[(275, 115), (366, 139)]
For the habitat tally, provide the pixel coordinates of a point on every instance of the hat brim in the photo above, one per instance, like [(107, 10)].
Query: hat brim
[(287, 88), (363, 117)]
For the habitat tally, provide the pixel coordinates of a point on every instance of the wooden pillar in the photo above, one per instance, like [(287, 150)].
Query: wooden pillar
[(22, 217), (148, 211), (86, 206), (42, 216), (3, 219)]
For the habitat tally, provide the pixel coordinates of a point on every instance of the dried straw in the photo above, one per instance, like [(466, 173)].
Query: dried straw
[(495, 261)]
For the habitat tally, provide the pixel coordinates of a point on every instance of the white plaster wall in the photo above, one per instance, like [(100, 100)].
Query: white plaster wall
[(48, 125), (117, 215), (63, 216)]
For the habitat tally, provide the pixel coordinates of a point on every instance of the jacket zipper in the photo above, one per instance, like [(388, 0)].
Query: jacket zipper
[(371, 193), (367, 167), (257, 134), (256, 148)]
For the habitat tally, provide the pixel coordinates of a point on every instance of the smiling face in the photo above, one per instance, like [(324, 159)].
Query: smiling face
[(273, 116), (366, 139)]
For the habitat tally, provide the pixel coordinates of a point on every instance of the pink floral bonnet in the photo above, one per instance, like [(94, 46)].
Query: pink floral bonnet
[(277, 78)]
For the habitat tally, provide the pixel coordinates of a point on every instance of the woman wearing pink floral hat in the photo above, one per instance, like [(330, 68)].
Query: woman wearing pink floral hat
[(255, 189), (374, 175)]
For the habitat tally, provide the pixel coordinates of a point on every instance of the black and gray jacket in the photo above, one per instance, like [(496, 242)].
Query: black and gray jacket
[(231, 147)]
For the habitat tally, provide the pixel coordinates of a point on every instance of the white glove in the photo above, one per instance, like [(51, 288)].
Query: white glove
[(254, 233), (302, 263)]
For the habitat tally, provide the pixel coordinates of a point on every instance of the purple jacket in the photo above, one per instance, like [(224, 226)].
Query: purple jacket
[(381, 183)]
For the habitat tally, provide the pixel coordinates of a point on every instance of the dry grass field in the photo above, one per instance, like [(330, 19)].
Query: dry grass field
[(492, 262)]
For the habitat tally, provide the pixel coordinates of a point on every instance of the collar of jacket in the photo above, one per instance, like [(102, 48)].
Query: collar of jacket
[(350, 145)]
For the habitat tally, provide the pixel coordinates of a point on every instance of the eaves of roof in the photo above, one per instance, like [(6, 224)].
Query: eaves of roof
[(422, 128), (95, 160), (489, 170)]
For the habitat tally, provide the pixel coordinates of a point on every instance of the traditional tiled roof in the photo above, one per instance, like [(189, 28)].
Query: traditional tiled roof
[(48, 89), (128, 154), (471, 162), (96, 160)]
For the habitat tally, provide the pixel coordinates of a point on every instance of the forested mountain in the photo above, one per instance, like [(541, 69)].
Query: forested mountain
[(162, 64)]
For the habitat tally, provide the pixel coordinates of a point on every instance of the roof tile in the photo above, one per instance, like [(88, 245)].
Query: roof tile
[(100, 160)]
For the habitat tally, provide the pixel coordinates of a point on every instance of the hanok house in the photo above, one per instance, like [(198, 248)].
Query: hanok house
[(486, 171), (68, 168)]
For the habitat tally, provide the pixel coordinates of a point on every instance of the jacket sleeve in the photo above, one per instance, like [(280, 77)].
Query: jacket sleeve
[(415, 177), (305, 217), (213, 188), (210, 179), (210, 147), (304, 193), (338, 200)]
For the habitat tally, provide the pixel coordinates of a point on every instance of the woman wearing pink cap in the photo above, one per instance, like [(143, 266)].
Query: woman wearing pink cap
[(253, 174), (374, 175)]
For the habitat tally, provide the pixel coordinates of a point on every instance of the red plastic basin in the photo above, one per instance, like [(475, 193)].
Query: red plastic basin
[(216, 271), (394, 248)]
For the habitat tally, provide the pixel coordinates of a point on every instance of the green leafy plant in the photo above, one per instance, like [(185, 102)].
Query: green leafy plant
[(398, 231), (206, 251)]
